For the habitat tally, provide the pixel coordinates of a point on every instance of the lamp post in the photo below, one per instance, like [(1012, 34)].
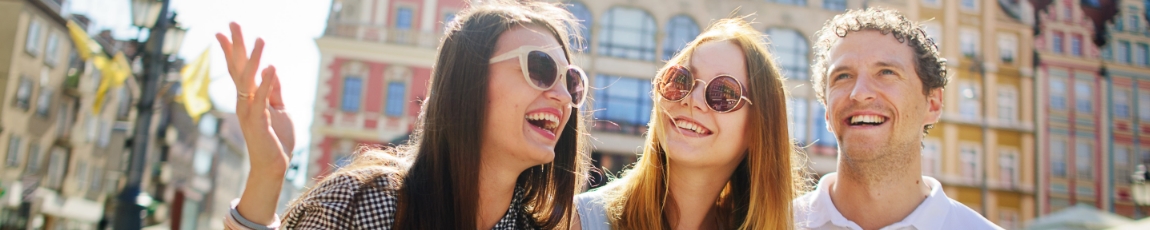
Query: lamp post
[(146, 14), (1140, 189)]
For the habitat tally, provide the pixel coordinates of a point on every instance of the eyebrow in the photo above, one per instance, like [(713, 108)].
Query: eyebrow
[(878, 64)]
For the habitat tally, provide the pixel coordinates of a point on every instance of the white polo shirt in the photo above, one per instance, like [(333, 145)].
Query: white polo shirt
[(815, 210)]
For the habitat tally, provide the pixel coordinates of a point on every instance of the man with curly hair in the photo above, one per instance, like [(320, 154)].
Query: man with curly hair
[(881, 79)]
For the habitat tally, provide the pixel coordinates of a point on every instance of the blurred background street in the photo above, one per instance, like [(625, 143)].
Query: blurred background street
[(1046, 122)]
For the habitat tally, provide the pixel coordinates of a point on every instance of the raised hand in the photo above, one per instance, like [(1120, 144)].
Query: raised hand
[(268, 131)]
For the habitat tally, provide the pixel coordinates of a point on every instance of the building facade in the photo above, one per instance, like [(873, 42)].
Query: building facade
[(1127, 82)]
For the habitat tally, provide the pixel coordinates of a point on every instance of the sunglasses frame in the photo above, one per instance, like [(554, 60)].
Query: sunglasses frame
[(691, 89), (522, 53)]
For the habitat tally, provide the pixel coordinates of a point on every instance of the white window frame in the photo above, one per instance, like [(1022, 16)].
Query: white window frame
[(1143, 105), (13, 157), (1007, 103), (1122, 162), (1138, 54), (81, 175), (932, 157), (969, 100), (1121, 98), (969, 159), (1008, 158), (51, 52), (1081, 97), (932, 3), (1007, 47), (1057, 87), (1078, 160), (57, 166), (32, 39), (969, 41), (971, 9)]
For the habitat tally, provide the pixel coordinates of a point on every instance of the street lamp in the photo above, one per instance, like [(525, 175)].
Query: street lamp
[(1139, 189), (152, 15)]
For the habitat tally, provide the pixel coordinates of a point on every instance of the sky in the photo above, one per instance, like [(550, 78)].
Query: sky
[(288, 27)]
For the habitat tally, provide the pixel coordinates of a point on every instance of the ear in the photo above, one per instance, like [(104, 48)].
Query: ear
[(934, 106), (827, 116)]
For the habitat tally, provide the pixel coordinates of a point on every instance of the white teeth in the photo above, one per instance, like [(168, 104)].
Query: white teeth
[(870, 119), (689, 126), (552, 121)]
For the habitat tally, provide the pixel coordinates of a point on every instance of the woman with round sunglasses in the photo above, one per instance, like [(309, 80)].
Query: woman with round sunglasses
[(718, 155), (498, 144)]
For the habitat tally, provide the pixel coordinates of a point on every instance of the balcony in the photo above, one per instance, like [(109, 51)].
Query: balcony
[(383, 34)]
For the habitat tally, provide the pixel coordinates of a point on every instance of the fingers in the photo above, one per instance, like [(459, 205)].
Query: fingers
[(238, 44), (226, 46), (276, 101), (261, 104), (247, 78)]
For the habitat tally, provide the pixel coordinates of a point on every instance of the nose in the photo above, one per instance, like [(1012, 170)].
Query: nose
[(558, 92), (864, 89), (697, 99)]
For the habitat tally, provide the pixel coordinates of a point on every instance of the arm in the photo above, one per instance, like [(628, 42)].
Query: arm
[(267, 129)]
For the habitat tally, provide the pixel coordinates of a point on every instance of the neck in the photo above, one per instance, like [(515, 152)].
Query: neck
[(693, 196), (496, 189), (880, 192)]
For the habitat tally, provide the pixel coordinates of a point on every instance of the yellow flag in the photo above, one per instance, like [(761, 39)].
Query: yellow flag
[(85, 46), (195, 78), (115, 71)]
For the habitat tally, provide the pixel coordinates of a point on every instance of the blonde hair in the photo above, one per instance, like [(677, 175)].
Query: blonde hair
[(759, 193)]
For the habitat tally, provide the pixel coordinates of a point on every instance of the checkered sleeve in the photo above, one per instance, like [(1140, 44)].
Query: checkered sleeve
[(343, 202)]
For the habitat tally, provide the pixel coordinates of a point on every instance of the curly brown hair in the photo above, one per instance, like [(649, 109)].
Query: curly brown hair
[(929, 64)]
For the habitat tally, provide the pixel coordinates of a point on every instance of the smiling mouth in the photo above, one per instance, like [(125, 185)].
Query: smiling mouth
[(867, 120), (545, 121), (689, 126)]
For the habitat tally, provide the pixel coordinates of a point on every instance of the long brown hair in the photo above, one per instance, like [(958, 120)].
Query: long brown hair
[(759, 193), (436, 170)]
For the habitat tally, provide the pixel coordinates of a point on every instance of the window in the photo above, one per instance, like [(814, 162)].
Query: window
[(935, 3), (931, 157), (97, 179), (1007, 47), (1132, 21), (969, 157), (352, 91), (1082, 96), (24, 93), (1056, 43), (43, 102), (1008, 167), (797, 112), (624, 101), (1084, 160), (1107, 54), (825, 136), (1122, 164), (57, 167), (790, 49), (969, 38), (395, 98), (584, 16), (680, 30), (13, 158), (1067, 10), (627, 33), (1076, 45), (1122, 52), (448, 17), (50, 53), (970, 5), (1057, 92), (81, 174), (1140, 54), (968, 102), (934, 30), (1058, 158), (201, 161), (208, 125), (34, 159), (124, 109), (1007, 103), (105, 134), (1121, 104), (793, 2), (1143, 105), (32, 41), (835, 5), (403, 18)]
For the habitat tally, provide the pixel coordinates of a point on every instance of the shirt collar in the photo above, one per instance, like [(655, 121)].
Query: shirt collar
[(925, 216)]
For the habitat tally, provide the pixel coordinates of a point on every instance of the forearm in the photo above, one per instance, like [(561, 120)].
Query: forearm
[(261, 194)]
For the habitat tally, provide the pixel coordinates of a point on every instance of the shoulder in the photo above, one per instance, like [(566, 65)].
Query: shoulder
[(962, 216), (364, 197), (592, 210)]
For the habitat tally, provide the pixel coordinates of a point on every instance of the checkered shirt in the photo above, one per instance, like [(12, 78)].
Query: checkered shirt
[(345, 202)]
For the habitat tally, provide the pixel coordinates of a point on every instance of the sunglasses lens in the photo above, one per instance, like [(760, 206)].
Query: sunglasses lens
[(723, 94), (575, 80), (676, 83), (541, 69)]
